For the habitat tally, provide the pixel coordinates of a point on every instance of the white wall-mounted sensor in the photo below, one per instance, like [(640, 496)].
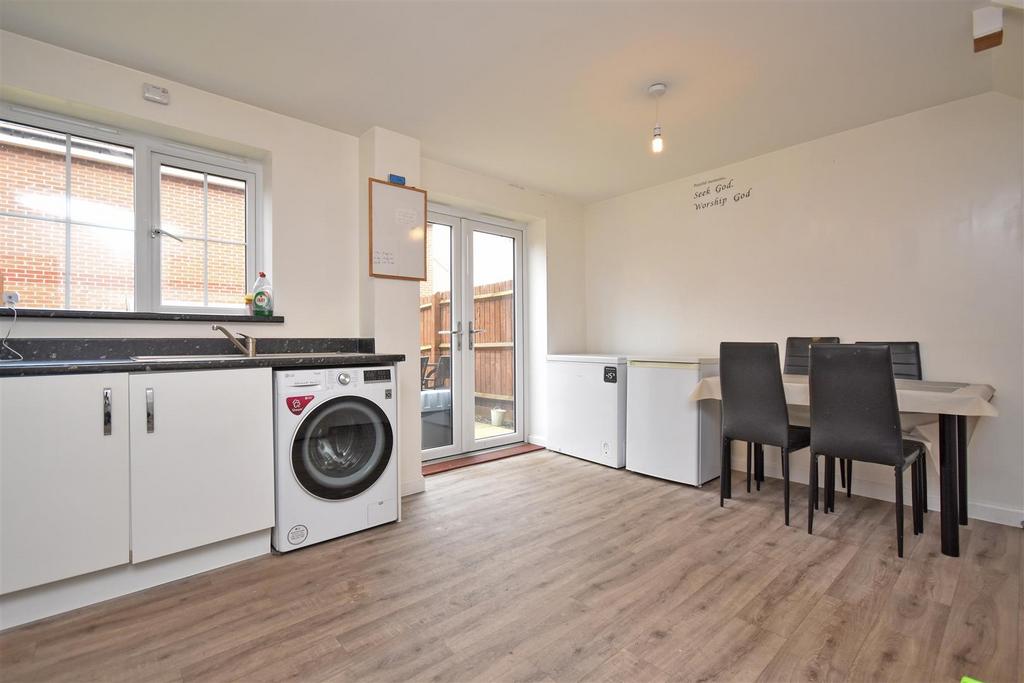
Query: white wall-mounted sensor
[(154, 93)]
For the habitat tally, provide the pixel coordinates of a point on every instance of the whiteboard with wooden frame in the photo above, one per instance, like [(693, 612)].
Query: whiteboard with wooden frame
[(398, 229)]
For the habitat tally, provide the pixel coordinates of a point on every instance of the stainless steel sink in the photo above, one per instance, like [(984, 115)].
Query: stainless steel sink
[(233, 356)]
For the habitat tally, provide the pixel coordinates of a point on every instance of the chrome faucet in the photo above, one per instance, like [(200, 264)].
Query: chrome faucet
[(249, 348)]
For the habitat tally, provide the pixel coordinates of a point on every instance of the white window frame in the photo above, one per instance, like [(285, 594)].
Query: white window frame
[(159, 159), (149, 152)]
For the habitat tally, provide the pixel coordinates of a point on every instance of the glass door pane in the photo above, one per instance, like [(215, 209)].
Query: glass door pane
[(493, 337), (438, 401)]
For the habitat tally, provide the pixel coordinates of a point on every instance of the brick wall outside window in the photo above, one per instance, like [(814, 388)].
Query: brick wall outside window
[(32, 251)]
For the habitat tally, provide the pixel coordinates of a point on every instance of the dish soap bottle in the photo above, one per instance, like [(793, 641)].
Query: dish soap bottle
[(262, 297)]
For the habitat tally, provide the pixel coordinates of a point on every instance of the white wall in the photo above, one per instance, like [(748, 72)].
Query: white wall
[(391, 308), (311, 183), (905, 229), (554, 267)]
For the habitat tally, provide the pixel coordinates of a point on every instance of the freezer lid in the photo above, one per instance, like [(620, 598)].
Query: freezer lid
[(670, 361), (588, 358)]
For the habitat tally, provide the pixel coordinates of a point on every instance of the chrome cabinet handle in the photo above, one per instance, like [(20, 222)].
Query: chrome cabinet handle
[(107, 405), (150, 412), (456, 333), (472, 334)]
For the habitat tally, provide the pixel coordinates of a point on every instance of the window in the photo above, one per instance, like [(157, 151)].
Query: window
[(95, 219)]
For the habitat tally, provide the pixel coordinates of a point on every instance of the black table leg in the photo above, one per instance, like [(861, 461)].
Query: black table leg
[(948, 486), (961, 467)]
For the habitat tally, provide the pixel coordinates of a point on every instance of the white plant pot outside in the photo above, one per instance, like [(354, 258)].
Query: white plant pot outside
[(498, 416)]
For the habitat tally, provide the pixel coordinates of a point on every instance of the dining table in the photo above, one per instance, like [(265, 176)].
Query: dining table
[(956, 407)]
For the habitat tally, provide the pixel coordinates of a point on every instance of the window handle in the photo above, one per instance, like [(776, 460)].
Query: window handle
[(157, 231)]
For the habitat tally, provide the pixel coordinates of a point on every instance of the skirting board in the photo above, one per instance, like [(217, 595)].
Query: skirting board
[(411, 487), (47, 600), (872, 489), (538, 439)]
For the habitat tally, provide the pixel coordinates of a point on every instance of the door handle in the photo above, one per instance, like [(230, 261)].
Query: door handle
[(456, 334), (473, 333), (107, 405), (150, 412)]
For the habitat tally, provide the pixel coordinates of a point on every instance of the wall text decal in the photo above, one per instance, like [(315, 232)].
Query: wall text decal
[(717, 192)]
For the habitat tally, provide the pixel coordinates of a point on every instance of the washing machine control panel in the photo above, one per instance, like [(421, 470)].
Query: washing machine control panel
[(381, 375)]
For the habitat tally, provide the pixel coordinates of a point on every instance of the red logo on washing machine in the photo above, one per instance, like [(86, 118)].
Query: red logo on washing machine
[(297, 404)]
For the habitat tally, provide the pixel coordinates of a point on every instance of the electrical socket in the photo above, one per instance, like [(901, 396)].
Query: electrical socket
[(11, 299)]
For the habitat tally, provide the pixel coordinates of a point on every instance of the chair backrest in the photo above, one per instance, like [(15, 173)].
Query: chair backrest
[(753, 399), (798, 353), (854, 412), (906, 359), (444, 371)]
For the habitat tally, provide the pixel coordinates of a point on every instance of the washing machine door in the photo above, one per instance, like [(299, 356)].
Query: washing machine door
[(342, 447)]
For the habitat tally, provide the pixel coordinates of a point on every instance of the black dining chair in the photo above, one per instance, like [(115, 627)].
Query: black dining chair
[(855, 415), (754, 408), (797, 361), (798, 353), (906, 364)]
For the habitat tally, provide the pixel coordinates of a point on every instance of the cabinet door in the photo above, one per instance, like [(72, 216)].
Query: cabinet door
[(202, 456), (63, 477)]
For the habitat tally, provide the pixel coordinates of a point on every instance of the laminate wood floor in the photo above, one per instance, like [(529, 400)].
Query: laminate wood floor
[(547, 568)]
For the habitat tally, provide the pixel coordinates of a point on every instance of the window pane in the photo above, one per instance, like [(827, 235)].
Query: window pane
[(32, 258), (494, 260), (181, 203), (227, 284), (181, 272), (102, 269), (32, 171), (226, 209), (436, 341), (102, 184)]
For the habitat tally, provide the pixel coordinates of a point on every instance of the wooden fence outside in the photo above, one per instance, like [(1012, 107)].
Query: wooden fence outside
[(494, 313)]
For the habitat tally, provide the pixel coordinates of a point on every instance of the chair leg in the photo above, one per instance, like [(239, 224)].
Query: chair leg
[(758, 464), (915, 495), (750, 462), (899, 510), (849, 478), (842, 473), (725, 478), (832, 485), (812, 492), (830, 473), (785, 482)]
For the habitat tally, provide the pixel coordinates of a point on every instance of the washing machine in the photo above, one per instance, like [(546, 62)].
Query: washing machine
[(336, 453)]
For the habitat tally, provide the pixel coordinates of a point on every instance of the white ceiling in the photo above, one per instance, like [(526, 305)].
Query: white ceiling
[(548, 95)]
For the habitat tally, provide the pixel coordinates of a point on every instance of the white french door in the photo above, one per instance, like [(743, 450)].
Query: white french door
[(471, 337)]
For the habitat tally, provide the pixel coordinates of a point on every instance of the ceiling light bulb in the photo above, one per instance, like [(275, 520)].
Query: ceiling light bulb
[(657, 144), (656, 90)]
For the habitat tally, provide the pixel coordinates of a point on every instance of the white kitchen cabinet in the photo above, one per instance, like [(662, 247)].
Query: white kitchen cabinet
[(202, 449), (63, 477)]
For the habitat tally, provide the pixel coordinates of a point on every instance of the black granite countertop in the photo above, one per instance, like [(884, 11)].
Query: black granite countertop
[(93, 355)]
